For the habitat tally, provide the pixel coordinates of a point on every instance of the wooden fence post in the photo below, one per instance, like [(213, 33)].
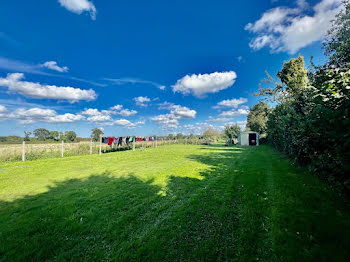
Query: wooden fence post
[(91, 147), (156, 141), (62, 149), (24, 151), (100, 150), (133, 144)]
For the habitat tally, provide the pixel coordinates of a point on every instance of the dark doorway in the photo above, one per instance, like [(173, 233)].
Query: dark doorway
[(252, 139)]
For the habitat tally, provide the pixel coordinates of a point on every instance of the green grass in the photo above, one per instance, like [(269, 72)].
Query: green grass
[(177, 202)]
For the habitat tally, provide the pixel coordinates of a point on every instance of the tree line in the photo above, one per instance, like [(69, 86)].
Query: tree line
[(311, 119)]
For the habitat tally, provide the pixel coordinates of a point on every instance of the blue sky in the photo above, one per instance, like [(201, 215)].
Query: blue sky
[(146, 67)]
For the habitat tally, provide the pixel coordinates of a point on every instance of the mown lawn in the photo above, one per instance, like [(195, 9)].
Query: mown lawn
[(171, 203)]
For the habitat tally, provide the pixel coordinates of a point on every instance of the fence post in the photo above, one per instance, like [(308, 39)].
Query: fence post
[(62, 149), (24, 151), (156, 141), (133, 144), (100, 150), (91, 147)]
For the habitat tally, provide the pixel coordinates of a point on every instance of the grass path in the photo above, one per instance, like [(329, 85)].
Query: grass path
[(171, 203)]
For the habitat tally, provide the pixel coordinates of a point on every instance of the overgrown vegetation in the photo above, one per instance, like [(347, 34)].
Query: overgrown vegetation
[(311, 122)]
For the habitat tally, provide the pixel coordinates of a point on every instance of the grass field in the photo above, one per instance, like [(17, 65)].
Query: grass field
[(171, 203)]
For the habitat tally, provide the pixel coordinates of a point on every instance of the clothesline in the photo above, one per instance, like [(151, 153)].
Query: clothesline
[(125, 140)]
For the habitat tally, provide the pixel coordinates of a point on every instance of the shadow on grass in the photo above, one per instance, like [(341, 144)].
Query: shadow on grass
[(103, 218), (106, 218)]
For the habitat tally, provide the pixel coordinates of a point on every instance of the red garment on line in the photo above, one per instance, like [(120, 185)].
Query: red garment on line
[(110, 140)]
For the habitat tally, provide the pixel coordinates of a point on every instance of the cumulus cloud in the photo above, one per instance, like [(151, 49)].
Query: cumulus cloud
[(116, 107), (198, 128), (202, 84), (14, 83), (126, 123), (79, 6), (290, 29), (219, 119), (233, 103), (167, 121), (96, 116), (176, 112), (234, 112), (127, 112), (142, 101), (33, 115), (53, 66)]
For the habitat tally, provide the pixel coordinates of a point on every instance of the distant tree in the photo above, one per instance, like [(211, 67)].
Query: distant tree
[(54, 135), (257, 117), (70, 136), (41, 133), (95, 134), (14, 139), (231, 132), (179, 136), (171, 137), (27, 135), (210, 133), (337, 43)]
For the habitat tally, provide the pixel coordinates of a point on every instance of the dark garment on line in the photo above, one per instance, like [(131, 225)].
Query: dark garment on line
[(105, 140)]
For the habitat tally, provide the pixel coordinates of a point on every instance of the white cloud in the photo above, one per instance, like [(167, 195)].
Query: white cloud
[(127, 112), (96, 116), (121, 81), (241, 124), (3, 109), (33, 115), (198, 128), (182, 112), (201, 84), (126, 123), (116, 107), (36, 90), (167, 121), (79, 6), (142, 101), (219, 119), (53, 66), (233, 103), (290, 29), (171, 120), (234, 112)]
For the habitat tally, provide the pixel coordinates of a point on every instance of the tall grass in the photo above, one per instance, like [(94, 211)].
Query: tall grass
[(13, 152)]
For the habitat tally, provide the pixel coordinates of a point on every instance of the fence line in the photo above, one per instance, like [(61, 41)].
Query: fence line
[(27, 151)]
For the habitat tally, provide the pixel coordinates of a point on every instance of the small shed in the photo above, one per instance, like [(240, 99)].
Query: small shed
[(248, 138)]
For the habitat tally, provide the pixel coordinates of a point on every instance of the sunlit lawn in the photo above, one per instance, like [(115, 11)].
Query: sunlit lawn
[(178, 202)]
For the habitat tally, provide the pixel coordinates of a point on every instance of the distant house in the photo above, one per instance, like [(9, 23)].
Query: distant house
[(248, 138)]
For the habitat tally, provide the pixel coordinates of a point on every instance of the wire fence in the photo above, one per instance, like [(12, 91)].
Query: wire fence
[(27, 152)]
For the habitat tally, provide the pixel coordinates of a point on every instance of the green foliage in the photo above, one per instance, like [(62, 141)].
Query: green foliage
[(257, 117), (70, 136), (231, 132), (210, 133), (54, 135), (171, 137), (179, 136), (95, 134), (312, 125), (192, 203), (41, 133), (337, 44), (27, 136), (14, 139)]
